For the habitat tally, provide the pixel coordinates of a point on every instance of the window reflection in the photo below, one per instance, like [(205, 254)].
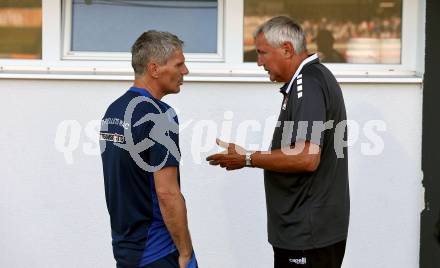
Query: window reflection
[(112, 26), (20, 29), (350, 31)]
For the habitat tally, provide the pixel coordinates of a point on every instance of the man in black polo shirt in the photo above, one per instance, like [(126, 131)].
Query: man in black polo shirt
[(140, 157), (305, 171)]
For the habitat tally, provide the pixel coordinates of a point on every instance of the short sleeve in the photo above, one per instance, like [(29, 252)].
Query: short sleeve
[(161, 133), (309, 115)]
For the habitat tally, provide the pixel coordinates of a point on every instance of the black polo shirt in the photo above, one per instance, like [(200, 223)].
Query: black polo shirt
[(310, 210)]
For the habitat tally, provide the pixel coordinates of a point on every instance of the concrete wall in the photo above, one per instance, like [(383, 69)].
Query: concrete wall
[(53, 212)]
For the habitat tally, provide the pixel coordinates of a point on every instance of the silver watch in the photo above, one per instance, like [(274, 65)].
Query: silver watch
[(248, 159)]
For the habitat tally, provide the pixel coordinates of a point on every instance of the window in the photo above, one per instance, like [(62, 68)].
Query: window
[(385, 40), (20, 29), (110, 27), (342, 31)]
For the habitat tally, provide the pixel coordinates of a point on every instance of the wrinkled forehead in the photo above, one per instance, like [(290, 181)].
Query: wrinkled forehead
[(178, 55), (261, 42)]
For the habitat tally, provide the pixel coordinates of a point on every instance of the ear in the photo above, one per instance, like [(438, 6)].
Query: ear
[(153, 69), (288, 50)]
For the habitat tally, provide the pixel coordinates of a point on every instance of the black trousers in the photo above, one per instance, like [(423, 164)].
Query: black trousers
[(327, 257)]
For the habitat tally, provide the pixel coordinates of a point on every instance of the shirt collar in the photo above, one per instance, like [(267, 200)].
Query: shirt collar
[(285, 89), (142, 91)]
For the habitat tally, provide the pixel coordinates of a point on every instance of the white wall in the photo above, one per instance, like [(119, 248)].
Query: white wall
[(53, 214)]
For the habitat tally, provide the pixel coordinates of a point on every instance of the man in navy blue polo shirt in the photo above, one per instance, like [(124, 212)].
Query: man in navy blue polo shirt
[(140, 156), (306, 168)]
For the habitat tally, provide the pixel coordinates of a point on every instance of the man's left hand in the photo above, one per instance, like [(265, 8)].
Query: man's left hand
[(232, 158)]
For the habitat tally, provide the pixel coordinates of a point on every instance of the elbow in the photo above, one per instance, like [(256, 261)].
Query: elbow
[(312, 163), (166, 197)]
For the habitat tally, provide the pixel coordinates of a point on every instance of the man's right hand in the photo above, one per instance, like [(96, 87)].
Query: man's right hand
[(188, 262), (184, 260)]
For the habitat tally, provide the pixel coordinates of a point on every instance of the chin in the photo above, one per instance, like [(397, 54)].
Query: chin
[(276, 79), (175, 90)]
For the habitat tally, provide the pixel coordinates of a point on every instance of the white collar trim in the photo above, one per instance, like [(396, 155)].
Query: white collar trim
[(304, 62)]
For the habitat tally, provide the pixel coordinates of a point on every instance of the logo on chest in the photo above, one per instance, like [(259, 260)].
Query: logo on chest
[(286, 98)]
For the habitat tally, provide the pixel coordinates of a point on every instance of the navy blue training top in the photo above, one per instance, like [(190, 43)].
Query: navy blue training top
[(139, 135)]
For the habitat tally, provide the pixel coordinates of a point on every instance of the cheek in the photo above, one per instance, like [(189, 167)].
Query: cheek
[(170, 77), (177, 76), (273, 67)]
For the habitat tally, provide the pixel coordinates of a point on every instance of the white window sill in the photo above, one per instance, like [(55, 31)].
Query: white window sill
[(196, 75)]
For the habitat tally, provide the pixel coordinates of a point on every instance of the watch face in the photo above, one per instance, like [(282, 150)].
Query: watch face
[(248, 160)]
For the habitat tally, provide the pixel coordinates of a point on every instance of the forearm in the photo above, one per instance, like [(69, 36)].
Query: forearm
[(173, 210), (288, 160)]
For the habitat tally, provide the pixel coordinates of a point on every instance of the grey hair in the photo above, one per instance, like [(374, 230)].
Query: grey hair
[(281, 29), (153, 46)]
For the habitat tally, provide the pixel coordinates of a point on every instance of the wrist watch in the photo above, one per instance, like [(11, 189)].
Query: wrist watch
[(248, 159)]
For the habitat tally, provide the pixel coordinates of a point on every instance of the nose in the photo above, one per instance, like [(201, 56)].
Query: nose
[(185, 70), (259, 60)]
